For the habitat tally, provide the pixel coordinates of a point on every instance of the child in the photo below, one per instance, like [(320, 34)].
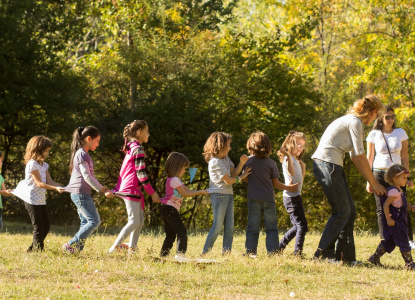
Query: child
[(3, 191), (394, 218), (261, 196), (175, 168), (32, 190), (291, 155), (132, 177), (82, 179), (222, 174)]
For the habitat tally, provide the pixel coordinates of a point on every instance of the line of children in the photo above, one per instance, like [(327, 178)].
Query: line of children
[(263, 178)]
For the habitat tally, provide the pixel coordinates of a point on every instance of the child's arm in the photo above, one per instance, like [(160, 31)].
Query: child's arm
[(186, 192), (412, 207), (53, 183), (5, 192), (40, 184), (291, 187), (141, 172), (86, 174), (236, 171), (388, 202), (290, 165), (232, 180), (303, 165)]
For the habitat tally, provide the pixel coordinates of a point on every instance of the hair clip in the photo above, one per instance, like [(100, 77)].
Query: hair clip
[(80, 129), (128, 125), (404, 172)]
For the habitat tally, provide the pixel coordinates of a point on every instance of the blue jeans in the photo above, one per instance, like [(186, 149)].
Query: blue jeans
[(337, 240), (89, 217), (294, 206), (254, 223), (222, 207)]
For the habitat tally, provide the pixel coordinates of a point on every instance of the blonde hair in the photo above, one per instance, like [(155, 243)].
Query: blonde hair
[(362, 108), (35, 148), (215, 143), (289, 144), (392, 172), (175, 163), (259, 145)]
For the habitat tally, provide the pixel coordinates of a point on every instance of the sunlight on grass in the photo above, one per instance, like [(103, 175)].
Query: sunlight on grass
[(94, 274)]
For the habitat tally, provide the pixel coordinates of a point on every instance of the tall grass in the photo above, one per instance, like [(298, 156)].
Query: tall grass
[(93, 274)]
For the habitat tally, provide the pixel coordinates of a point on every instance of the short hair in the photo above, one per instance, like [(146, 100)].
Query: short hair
[(393, 171), (35, 148), (175, 163), (259, 145), (215, 143)]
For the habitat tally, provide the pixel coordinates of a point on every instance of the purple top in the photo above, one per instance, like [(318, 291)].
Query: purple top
[(77, 184)]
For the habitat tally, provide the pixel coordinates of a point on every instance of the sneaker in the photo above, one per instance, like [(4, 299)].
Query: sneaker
[(124, 247), (412, 245), (356, 263), (69, 248), (410, 266), (180, 257), (374, 262)]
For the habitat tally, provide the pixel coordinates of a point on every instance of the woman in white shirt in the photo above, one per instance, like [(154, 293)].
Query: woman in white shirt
[(386, 146)]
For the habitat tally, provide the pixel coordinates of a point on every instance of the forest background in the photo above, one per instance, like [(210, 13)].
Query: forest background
[(190, 68)]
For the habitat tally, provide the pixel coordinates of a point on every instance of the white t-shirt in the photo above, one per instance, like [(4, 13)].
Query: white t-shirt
[(219, 167), (27, 190), (394, 139), (345, 134), (298, 177)]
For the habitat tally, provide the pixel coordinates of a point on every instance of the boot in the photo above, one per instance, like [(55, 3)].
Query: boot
[(409, 262), (375, 258)]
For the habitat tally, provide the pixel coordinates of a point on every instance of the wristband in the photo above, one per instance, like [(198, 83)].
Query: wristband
[(237, 179)]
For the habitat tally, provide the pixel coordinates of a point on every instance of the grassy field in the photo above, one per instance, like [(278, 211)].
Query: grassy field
[(93, 274)]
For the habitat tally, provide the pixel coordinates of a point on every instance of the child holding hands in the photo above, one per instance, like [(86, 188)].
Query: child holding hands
[(261, 197), (175, 168), (394, 218), (133, 176), (32, 190), (222, 174), (291, 155)]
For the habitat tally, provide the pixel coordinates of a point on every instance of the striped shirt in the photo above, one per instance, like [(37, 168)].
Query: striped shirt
[(133, 174)]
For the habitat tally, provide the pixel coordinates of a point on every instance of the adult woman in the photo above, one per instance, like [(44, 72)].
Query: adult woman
[(343, 135), (386, 146)]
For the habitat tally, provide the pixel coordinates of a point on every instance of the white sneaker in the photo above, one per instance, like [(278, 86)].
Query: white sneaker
[(412, 245), (180, 257)]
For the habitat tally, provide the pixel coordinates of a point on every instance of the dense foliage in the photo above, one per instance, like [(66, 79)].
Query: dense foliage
[(190, 68)]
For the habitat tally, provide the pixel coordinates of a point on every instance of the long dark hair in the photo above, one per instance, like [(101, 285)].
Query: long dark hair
[(78, 140), (379, 122), (131, 130)]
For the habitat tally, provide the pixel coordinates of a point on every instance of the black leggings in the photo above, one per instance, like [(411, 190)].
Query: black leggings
[(173, 226), (380, 177), (40, 220)]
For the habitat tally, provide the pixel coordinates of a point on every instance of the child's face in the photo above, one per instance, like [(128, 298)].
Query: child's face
[(143, 135), (45, 153), (92, 144), (401, 179), (224, 152), (182, 172), (299, 146), (1, 160)]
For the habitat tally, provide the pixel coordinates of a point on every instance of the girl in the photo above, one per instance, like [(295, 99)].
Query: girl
[(291, 155), (3, 191), (344, 134), (175, 168), (261, 195), (132, 177), (32, 190), (222, 174), (387, 145), (82, 179), (394, 219)]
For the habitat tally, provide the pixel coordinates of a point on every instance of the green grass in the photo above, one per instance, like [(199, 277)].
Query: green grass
[(94, 274)]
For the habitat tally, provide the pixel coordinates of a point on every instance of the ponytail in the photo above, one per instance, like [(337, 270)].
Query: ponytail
[(363, 107), (131, 130), (78, 140)]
